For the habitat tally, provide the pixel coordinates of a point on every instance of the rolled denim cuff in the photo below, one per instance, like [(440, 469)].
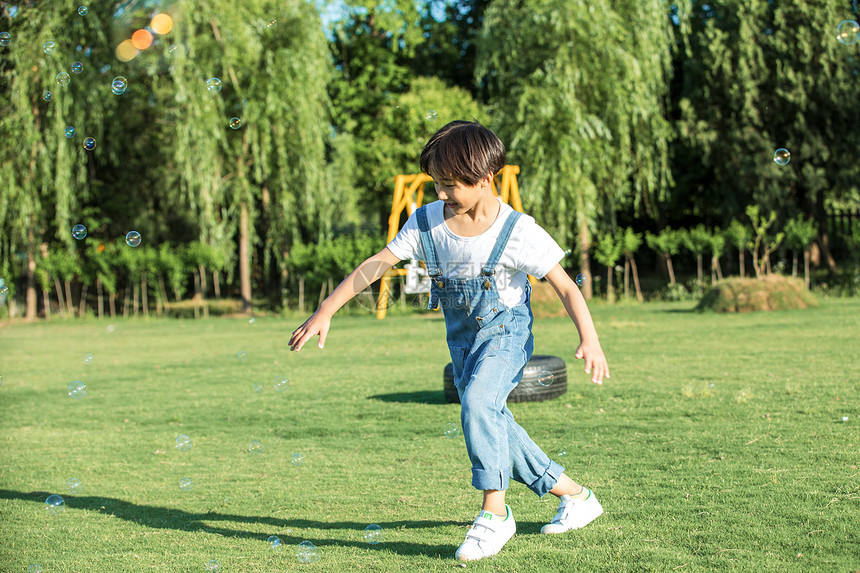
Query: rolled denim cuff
[(498, 479), (547, 481)]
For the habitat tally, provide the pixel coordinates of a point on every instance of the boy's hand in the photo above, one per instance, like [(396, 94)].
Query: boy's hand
[(595, 361), (318, 323)]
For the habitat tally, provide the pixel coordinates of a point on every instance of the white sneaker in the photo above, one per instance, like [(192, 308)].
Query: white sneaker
[(487, 536), (573, 514)]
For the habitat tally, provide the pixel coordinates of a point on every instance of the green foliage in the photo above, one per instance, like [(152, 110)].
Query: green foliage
[(560, 77), (697, 240), (667, 242), (738, 235), (630, 242), (717, 243), (800, 232), (608, 249)]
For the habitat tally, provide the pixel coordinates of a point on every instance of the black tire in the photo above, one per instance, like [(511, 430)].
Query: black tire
[(528, 390)]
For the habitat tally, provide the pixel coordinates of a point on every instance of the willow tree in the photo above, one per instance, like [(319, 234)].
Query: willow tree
[(759, 76), (261, 177), (48, 177), (577, 92)]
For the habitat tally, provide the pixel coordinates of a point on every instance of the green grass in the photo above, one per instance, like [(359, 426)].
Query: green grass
[(718, 445)]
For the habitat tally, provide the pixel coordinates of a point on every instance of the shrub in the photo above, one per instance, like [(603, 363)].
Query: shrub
[(773, 292)]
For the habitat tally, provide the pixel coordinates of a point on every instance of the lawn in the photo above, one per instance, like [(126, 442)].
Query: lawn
[(718, 445)]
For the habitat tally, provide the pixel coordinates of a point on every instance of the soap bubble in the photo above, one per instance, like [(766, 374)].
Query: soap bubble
[(451, 430), (213, 565), (4, 290), (55, 504), (172, 49), (5, 38), (132, 238), (562, 453), (49, 48), (69, 132), (119, 85), (34, 569), (79, 231), (185, 484), (255, 447), (372, 534), (77, 390), (77, 67), (251, 321), (73, 485), (781, 156), (844, 418), (47, 95), (275, 542), (307, 552), (183, 443), (848, 32), (235, 123), (213, 85), (63, 79), (431, 115), (581, 279), (258, 388), (271, 23), (89, 143), (242, 355), (281, 383), (298, 459), (87, 358), (82, 10), (545, 378)]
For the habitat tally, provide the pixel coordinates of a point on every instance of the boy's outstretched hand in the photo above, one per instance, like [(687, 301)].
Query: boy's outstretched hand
[(318, 323), (595, 361)]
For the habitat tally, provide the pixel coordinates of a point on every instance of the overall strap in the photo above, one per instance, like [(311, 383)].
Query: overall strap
[(501, 243), (427, 243)]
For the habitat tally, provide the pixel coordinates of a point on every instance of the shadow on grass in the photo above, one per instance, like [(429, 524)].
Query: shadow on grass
[(421, 397), (170, 518)]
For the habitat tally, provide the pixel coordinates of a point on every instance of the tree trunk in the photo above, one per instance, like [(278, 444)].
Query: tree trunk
[(59, 288), (639, 296), (126, 302), (30, 295), (203, 287), (144, 297), (794, 264), (301, 295), (719, 268), (322, 293), (700, 275), (70, 305), (163, 290), (46, 303), (585, 259), (610, 291), (741, 263), (101, 298), (627, 277), (135, 297), (112, 304), (806, 268), (245, 258), (82, 306), (196, 295), (216, 282), (670, 268)]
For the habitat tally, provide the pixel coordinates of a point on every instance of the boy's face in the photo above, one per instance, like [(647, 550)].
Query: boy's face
[(459, 197)]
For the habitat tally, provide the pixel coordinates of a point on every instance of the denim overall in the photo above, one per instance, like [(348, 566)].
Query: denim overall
[(490, 345)]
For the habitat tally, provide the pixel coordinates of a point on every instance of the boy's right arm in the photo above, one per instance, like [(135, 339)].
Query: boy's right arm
[(363, 276)]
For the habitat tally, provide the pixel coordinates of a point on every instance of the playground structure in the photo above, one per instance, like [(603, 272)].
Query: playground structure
[(408, 196)]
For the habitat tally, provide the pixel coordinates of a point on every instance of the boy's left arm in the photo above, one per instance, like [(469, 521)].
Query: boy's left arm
[(589, 346)]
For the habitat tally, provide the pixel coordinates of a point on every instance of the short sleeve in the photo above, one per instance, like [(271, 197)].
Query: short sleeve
[(537, 252), (405, 245)]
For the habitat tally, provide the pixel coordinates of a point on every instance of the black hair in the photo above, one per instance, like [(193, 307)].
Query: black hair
[(463, 150)]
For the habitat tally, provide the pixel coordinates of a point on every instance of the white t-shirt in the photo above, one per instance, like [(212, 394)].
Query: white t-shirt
[(530, 250)]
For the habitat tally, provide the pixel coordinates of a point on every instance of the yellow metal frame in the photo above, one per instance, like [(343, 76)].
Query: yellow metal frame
[(409, 189)]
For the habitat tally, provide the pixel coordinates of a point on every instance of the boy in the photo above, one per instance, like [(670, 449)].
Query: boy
[(478, 252)]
